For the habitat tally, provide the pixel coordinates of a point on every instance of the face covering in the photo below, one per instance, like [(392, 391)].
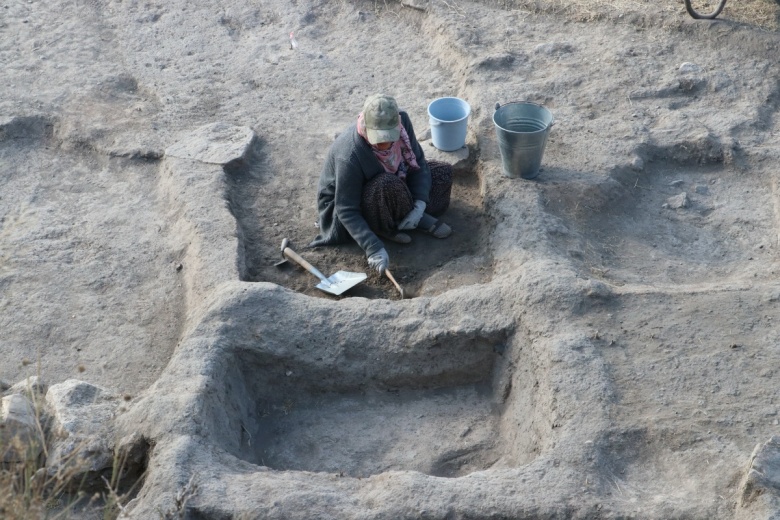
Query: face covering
[(393, 158)]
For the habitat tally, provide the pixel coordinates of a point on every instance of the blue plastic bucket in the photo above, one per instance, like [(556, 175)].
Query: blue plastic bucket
[(522, 128), (449, 118)]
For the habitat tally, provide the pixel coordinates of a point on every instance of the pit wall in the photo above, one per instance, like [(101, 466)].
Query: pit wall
[(268, 356), (195, 191)]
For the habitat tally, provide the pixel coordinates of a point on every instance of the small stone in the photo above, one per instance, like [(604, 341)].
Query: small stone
[(459, 159), (133, 449), (215, 143), (677, 202), (637, 164), (179, 267), (19, 434), (420, 5), (701, 189), (763, 474), (29, 387), (598, 290), (82, 421), (554, 48), (688, 67)]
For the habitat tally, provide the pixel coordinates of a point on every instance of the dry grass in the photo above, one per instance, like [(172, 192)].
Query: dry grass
[(763, 14), (27, 494), (29, 491)]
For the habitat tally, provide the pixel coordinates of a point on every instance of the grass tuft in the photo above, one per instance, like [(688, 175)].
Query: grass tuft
[(29, 490)]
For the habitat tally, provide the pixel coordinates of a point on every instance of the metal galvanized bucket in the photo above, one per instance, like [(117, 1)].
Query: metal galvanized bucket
[(449, 119), (522, 128)]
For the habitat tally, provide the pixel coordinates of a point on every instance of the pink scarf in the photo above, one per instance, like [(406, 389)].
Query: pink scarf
[(391, 159)]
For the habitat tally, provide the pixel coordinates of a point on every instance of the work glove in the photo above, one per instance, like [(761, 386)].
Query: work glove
[(411, 220), (379, 261)]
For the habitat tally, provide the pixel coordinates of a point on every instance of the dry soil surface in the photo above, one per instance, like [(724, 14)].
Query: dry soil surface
[(598, 342)]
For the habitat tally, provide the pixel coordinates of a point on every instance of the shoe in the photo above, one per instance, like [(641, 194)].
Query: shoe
[(433, 226), (398, 237)]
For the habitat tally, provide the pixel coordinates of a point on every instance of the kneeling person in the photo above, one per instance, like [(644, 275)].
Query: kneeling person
[(377, 183)]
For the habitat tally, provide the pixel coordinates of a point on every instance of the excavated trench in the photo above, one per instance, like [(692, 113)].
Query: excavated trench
[(445, 410), (425, 267)]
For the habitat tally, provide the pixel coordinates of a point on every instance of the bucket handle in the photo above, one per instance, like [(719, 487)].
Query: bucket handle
[(498, 105)]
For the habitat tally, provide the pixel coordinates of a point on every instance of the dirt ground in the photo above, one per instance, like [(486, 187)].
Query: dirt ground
[(599, 342)]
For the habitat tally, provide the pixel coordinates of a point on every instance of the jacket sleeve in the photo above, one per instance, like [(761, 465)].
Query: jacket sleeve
[(419, 181), (349, 192)]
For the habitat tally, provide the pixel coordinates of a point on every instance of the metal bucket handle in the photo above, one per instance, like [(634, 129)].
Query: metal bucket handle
[(498, 105)]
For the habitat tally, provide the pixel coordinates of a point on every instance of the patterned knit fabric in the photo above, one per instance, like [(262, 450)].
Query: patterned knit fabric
[(387, 200)]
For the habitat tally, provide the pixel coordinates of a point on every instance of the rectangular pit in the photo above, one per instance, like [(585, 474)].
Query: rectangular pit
[(445, 411), (445, 432)]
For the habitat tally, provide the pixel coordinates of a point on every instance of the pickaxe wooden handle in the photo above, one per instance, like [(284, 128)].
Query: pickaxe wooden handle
[(392, 279)]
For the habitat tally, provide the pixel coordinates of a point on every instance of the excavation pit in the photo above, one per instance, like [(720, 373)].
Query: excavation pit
[(445, 432), (425, 267), (442, 412), (669, 224)]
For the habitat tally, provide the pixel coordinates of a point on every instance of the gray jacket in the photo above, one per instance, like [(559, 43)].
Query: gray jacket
[(349, 165)]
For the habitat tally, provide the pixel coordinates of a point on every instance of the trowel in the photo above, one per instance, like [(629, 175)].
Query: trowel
[(335, 284)]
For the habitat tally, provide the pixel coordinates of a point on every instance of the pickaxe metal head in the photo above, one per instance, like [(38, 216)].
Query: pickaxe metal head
[(285, 243)]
